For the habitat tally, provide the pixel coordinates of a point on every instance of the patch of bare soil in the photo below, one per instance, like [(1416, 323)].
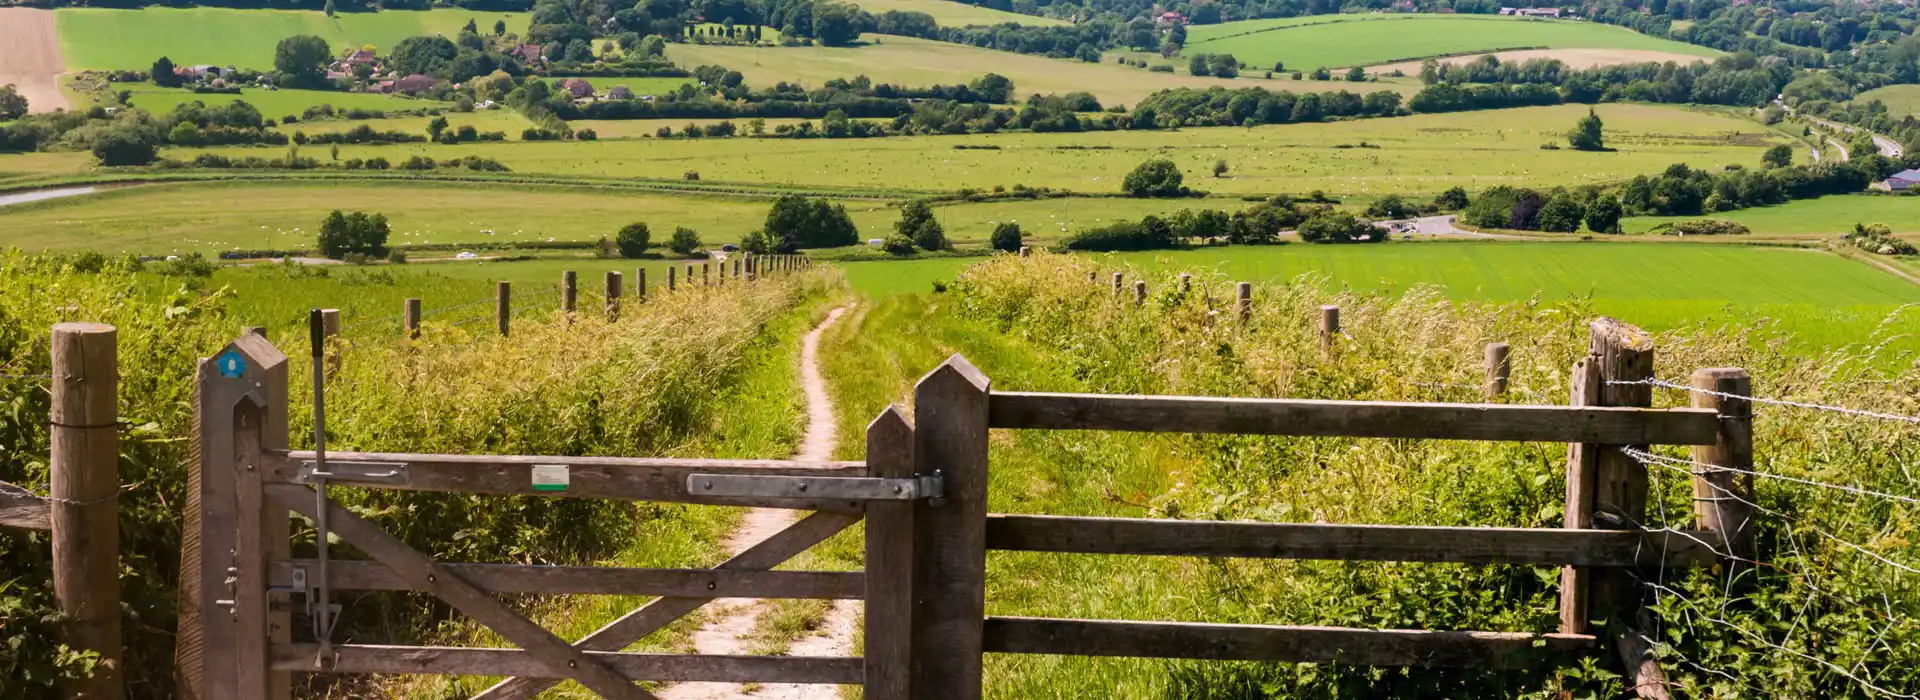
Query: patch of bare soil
[(30, 57), (732, 621)]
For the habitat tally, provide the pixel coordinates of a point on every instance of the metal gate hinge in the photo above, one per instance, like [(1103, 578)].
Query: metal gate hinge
[(924, 487), (350, 473)]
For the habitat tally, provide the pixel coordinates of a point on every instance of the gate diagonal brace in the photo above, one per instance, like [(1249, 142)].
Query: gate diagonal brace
[(820, 487)]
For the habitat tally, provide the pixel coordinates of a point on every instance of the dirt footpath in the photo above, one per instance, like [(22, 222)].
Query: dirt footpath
[(30, 57)]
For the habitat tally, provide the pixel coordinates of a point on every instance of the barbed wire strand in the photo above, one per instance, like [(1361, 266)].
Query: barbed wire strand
[(1775, 402), (1643, 456)]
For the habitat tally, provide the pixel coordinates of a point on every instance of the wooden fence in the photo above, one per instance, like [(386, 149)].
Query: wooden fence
[(923, 486)]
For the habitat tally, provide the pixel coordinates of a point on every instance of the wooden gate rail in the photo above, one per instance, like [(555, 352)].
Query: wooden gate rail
[(467, 661), (1302, 644), (559, 580)]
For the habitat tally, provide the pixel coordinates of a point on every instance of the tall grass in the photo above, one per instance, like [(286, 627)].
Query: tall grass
[(680, 374), (1815, 613)]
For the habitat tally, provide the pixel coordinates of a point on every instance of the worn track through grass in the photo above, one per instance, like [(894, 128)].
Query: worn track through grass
[(733, 619)]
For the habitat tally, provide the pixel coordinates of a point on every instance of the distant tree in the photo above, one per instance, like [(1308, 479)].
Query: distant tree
[(683, 241), (1006, 237), (1454, 199), (328, 8), (1262, 223), (1356, 74), (897, 244), (1220, 168), (1778, 156), (1200, 64), (1202, 223), (120, 146), (302, 59), (1561, 214), (1177, 35), (424, 55), (437, 127), (1390, 207), (579, 51), (1333, 226), (1603, 215), (1155, 178), (356, 233), (1586, 135), (653, 45), (1279, 67), (1321, 73), (917, 223), (162, 73), (499, 27), (799, 222), (633, 239), (836, 24), (13, 105), (471, 27)]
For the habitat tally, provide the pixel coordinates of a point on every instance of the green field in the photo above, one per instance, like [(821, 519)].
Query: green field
[(212, 217), (1415, 155), (273, 104), (954, 14), (1900, 99), (97, 39), (1826, 216), (909, 61), (1822, 298), (1302, 43), (504, 120)]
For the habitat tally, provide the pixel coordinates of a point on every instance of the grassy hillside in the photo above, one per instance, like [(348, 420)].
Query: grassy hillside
[(1900, 99), (1304, 44), (953, 14), (1419, 154), (1826, 216), (912, 61), (132, 39)]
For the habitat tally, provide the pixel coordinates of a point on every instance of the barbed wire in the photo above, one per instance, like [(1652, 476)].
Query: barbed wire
[(46, 494), (26, 376), (1643, 456), (1762, 400)]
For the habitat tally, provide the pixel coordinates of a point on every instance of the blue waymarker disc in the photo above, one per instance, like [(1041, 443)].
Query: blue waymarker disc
[(231, 364)]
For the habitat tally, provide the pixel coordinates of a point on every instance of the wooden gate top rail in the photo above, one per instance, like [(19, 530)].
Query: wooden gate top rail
[(553, 580), (1193, 640), (25, 511), (1463, 545), (458, 661), (1432, 421), (637, 479)]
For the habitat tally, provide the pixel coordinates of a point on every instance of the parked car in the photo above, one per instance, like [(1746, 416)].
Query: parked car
[(465, 255), (729, 248)]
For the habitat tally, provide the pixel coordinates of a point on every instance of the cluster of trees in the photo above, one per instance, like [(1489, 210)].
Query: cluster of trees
[(13, 105), (1219, 65), (797, 222), (1084, 41), (1739, 79), (1218, 106), (917, 229), (358, 233), (1685, 191), (1155, 178), (1559, 211)]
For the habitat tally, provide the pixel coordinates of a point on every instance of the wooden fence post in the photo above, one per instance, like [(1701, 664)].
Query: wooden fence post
[(1117, 281), (1329, 326), (640, 283), (1026, 251), (1497, 369), (613, 295), (85, 485), (751, 260), (1186, 283), (569, 292), (1622, 355), (736, 267), (330, 327), (1243, 299), (1722, 499), (1139, 292), (672, 282), (502, 306), (411, 316), (949, 607), (890, 563), (227, 616), (706, 277), (1574, 581), (257, 330)]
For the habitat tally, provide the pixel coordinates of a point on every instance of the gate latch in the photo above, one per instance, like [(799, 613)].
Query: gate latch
[(838, 488), (349, 473)]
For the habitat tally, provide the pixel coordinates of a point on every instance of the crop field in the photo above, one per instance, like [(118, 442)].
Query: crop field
[(1409, 155), (1821, 298), (273, 104), (1900, 99), (954, 14), (1573, 58), (99, 39), (1823, 217), (910, 61), (1305, 44), (212, 217), (504, 120), (30, 57)]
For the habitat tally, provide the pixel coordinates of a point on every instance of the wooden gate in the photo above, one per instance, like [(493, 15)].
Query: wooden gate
[(923, 487)]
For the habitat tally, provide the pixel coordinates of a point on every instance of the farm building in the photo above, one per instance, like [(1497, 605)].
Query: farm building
[(620, 92), (1902, 180), (410, 85), (577, 87)]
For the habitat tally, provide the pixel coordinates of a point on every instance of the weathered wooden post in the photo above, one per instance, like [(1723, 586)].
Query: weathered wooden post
[(1092, 277), (736, 267), (1722, 500), (85, 485), (613, 295), (257, 330), (1497, 369), (1329, 326), (949, 587), (228, 617), (640, 283), (569, 292), (1139, 292), (411, 314), (1243, 300), (706, 279), (890, 562), (1607, 489), (1117, 281), (1186, 283), (1026, 251), (672, 282), (330, 327), (502, 306), (751, 273)]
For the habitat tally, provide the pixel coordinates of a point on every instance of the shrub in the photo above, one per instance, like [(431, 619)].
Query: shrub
[(398, 257), (1150, 233), (1155, 178), (691, 176), (1701, 227), (121, 146), (378, 163), (359, 232), (897, 244), (1006, 237), (1391, 207), (417, 163), (1878, 238), (633, 239), (1331, 226), (683, 241), (587, 135), (917, 223)]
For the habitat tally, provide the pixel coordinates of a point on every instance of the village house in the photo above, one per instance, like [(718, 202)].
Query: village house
[(1531, 11), (1902, 180), (1168, 19), (529, 54), (577, 87), (619, 92), (410, 85)]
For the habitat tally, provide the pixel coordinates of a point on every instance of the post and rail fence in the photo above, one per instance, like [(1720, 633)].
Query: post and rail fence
[(923, 485)]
